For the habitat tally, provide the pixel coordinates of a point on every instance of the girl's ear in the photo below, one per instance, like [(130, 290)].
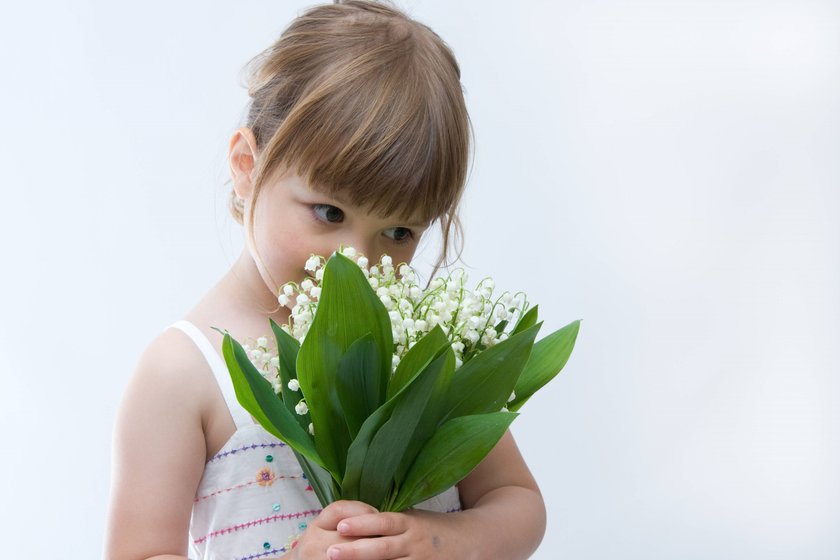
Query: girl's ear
[(242, 155)]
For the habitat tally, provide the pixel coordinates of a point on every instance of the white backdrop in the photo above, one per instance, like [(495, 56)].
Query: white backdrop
[(666, 171)]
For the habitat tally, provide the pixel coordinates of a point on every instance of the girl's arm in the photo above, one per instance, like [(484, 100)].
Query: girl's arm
[(504, 509), (504, 518), (158, 454)]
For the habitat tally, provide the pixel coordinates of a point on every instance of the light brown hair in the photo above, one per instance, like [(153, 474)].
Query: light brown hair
[(360, 99)]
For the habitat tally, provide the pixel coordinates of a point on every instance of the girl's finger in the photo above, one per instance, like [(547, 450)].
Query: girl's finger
[(380, 548), (342, 509), (373, 525)]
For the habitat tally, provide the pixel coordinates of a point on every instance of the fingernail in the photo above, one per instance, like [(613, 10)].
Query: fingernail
[(343, 527), (334, 553)]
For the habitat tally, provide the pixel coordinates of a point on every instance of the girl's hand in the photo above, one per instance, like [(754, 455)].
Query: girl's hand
[(413, 534), (321, 533)]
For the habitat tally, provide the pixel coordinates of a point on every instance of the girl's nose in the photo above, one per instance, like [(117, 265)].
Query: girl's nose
[(367, 248), (361, 245)]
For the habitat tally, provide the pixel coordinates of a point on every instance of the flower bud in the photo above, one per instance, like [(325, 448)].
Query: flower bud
[(312, 263)]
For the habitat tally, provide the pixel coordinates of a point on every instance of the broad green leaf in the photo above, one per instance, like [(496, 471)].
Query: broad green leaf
[(450, 455), (417, 358), (388, 446), (257, 396), (358, 382), (348, 309), (528, 320), (432, 416), (484, 383), (358, 450), (287, 351), (357, 453), (548, 357), (322, 483)]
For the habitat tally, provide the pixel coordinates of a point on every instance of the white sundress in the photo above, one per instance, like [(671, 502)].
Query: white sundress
[(253, 500)]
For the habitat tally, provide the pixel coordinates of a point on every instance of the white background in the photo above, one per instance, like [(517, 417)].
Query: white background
[(666, 171)]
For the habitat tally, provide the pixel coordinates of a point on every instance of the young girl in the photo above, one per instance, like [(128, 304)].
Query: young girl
[(357, 134)]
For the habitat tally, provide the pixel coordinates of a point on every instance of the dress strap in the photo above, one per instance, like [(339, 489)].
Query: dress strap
[(220, 371)]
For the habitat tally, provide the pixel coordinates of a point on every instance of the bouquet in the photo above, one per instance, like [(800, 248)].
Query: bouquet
[(388, 393)]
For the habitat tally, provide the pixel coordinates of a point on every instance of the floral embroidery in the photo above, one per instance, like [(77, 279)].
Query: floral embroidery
[(292, 542), (265, 476)]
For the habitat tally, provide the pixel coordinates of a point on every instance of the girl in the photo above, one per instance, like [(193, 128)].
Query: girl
[(357, 133)]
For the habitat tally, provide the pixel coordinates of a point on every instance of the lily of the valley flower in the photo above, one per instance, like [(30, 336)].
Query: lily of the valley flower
[(472, 319)]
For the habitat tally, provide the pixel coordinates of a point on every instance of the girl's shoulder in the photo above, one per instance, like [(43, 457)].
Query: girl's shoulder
[(159, 446), (173, 371)]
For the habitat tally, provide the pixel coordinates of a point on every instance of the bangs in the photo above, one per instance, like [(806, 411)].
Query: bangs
[(381, 128)]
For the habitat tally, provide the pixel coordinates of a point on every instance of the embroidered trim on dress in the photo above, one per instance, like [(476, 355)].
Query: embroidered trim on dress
[(234, 528), (243, 485), (261, 554), (245, 448)]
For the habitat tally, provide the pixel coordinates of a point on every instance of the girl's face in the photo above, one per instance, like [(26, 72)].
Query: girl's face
[(292, 221)]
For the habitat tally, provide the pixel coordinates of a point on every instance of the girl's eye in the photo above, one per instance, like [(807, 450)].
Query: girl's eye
[(328, 213), (400, 234)]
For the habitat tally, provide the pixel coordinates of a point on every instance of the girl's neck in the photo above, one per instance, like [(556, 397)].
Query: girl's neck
[(241, 301)]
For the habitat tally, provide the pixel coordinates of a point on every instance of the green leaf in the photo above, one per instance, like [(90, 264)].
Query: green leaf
[(432, 416), (484, 383), (417, 358), (322, 483), (528, 320), (357, 453), (257, 396), (358, 450), (358, 382), (388, 446), (287, 351), (347, 310), (450, 455), (547, 359)]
